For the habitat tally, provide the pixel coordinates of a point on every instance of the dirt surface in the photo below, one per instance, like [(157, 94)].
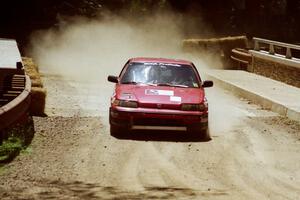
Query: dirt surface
[(253, 154)]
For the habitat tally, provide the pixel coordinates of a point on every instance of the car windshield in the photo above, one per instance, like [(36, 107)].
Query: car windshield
[(162, 74)]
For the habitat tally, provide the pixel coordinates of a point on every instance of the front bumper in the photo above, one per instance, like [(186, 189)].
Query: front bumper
[(153, 119)]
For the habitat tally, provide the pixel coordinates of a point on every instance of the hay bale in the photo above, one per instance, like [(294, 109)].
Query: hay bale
[(36, 83), (31, 69), (38, 93), (220, 47), (225, 44), (38, 101)]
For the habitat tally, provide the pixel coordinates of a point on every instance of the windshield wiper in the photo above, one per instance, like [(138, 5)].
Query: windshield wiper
[(171, 85), (136, 83), (130, 82), (152, 84), (164, 84)]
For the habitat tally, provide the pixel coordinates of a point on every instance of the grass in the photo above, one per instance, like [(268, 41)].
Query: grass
[(17, 140), (11, 147), (11, 150), (26, 151), (3, 169)]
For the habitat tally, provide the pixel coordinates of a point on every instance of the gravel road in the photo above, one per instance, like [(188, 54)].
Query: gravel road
[(253, 154)]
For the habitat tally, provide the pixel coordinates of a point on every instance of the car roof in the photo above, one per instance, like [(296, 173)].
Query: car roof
[(161, 60)]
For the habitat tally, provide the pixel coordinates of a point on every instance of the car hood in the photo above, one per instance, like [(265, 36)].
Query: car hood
[(160, 96)]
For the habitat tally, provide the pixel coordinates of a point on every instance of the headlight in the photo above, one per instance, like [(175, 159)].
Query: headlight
[(194, 107), (123, 103)]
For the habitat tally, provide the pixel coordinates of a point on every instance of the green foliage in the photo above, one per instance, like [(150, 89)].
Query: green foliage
[(278, 19), (12, 146), (138, 7), (26, 151), (2, 169), (18, 138)]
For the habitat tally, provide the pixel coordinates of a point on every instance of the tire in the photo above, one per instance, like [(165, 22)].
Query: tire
[(199, 133), (114, 130), (205, 135), (118, 132)]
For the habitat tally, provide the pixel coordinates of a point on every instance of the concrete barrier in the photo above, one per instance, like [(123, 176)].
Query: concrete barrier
[(11, 112)]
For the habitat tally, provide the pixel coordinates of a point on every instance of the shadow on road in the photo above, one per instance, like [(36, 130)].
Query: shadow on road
[(161, 136), (80, 190)]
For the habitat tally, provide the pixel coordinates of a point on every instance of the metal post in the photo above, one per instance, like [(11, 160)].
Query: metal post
[(288, 53), (256, 45), (271, 49)]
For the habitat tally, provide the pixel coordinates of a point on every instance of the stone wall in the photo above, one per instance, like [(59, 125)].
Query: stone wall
[(277, 71)]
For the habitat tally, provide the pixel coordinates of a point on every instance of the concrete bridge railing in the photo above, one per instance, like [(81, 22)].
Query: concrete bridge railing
[(272, 44), (277, 60)]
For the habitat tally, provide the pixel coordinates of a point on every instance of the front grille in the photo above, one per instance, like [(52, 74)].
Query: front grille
[(157, 122), (160, 106)]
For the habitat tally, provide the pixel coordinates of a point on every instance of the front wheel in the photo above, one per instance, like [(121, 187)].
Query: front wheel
[(119, 132), (200, 133), (205, 134), (114, 130)]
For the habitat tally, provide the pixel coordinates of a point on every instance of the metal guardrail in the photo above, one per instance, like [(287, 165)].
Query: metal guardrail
[(272, 44), (11, 112), (241, 55)]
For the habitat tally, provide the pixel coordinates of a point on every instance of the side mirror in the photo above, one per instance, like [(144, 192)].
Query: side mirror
[(207, 84), (113, 79)]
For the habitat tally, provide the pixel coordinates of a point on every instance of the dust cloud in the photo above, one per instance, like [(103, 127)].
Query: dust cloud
[(89, 50)]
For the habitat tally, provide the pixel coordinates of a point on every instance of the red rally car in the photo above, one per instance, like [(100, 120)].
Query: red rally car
[(159, 94)]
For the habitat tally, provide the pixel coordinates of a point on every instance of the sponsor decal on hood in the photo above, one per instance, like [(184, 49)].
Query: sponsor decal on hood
[(159, 92)]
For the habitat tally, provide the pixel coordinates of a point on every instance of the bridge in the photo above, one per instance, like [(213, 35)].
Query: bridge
[(15, 86)]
